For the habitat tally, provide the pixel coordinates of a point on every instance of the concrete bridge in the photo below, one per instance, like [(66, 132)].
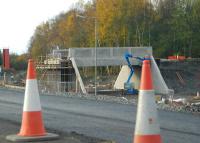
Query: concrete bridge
[(109, 56)]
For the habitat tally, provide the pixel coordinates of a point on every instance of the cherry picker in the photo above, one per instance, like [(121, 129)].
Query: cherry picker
[(128, 85)]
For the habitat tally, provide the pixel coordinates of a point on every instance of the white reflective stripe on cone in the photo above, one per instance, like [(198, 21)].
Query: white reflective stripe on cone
[(31, 99), (147, 120)]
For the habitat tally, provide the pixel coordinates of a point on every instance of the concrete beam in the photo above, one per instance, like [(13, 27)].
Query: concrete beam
[(85, 57)]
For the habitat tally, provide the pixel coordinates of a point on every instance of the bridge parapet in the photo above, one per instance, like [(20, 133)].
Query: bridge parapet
[(106, 56)]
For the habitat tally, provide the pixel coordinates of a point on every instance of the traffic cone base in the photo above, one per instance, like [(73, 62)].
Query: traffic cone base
[(147, 139), (32, 124), (47, 137), (32, 127)]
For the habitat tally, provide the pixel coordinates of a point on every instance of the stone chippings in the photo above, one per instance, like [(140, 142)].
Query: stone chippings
[(124, 100), (121, 100)]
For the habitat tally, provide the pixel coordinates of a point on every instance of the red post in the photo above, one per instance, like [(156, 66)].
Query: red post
[(6, 59)]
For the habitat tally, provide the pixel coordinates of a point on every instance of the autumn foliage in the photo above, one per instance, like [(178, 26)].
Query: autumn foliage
[(170, 26)]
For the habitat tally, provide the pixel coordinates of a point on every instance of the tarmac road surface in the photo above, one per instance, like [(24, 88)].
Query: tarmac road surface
[(105, 120)]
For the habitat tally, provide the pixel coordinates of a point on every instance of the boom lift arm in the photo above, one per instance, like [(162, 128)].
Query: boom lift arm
[(127, 56)]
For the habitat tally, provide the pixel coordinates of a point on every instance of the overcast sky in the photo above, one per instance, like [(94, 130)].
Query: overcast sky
[(19, 18)]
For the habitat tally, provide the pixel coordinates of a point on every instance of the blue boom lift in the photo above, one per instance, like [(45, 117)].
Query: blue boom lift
[(129, 86)]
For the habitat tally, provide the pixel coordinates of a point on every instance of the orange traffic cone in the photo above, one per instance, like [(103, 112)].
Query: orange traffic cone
[(32, 127), (32, 123), (147, 128)]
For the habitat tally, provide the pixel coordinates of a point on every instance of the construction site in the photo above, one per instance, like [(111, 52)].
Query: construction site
[(106, 83), (106, 71), (83, 70), (115, 72), (100, 71)]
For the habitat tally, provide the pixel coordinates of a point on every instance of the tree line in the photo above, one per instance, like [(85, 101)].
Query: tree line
[(171, 27)]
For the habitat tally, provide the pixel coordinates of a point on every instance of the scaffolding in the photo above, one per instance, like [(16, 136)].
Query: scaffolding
[(56, 74)]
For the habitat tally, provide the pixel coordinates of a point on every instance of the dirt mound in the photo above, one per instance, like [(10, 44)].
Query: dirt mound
[(182, 76)]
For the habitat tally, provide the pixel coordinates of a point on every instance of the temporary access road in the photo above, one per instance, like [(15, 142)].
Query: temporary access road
[(100, 119)]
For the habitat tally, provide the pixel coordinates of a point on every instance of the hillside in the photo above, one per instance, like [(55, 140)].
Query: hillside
[(182, 76)]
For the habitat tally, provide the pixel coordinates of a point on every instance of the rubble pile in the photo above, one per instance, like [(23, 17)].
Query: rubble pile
[(190, 104)]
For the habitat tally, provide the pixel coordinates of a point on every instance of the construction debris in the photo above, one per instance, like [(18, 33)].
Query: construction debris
[(191, 104)]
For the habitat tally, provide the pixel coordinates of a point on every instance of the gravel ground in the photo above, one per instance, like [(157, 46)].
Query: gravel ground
[(128, 99), (10, 127)]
